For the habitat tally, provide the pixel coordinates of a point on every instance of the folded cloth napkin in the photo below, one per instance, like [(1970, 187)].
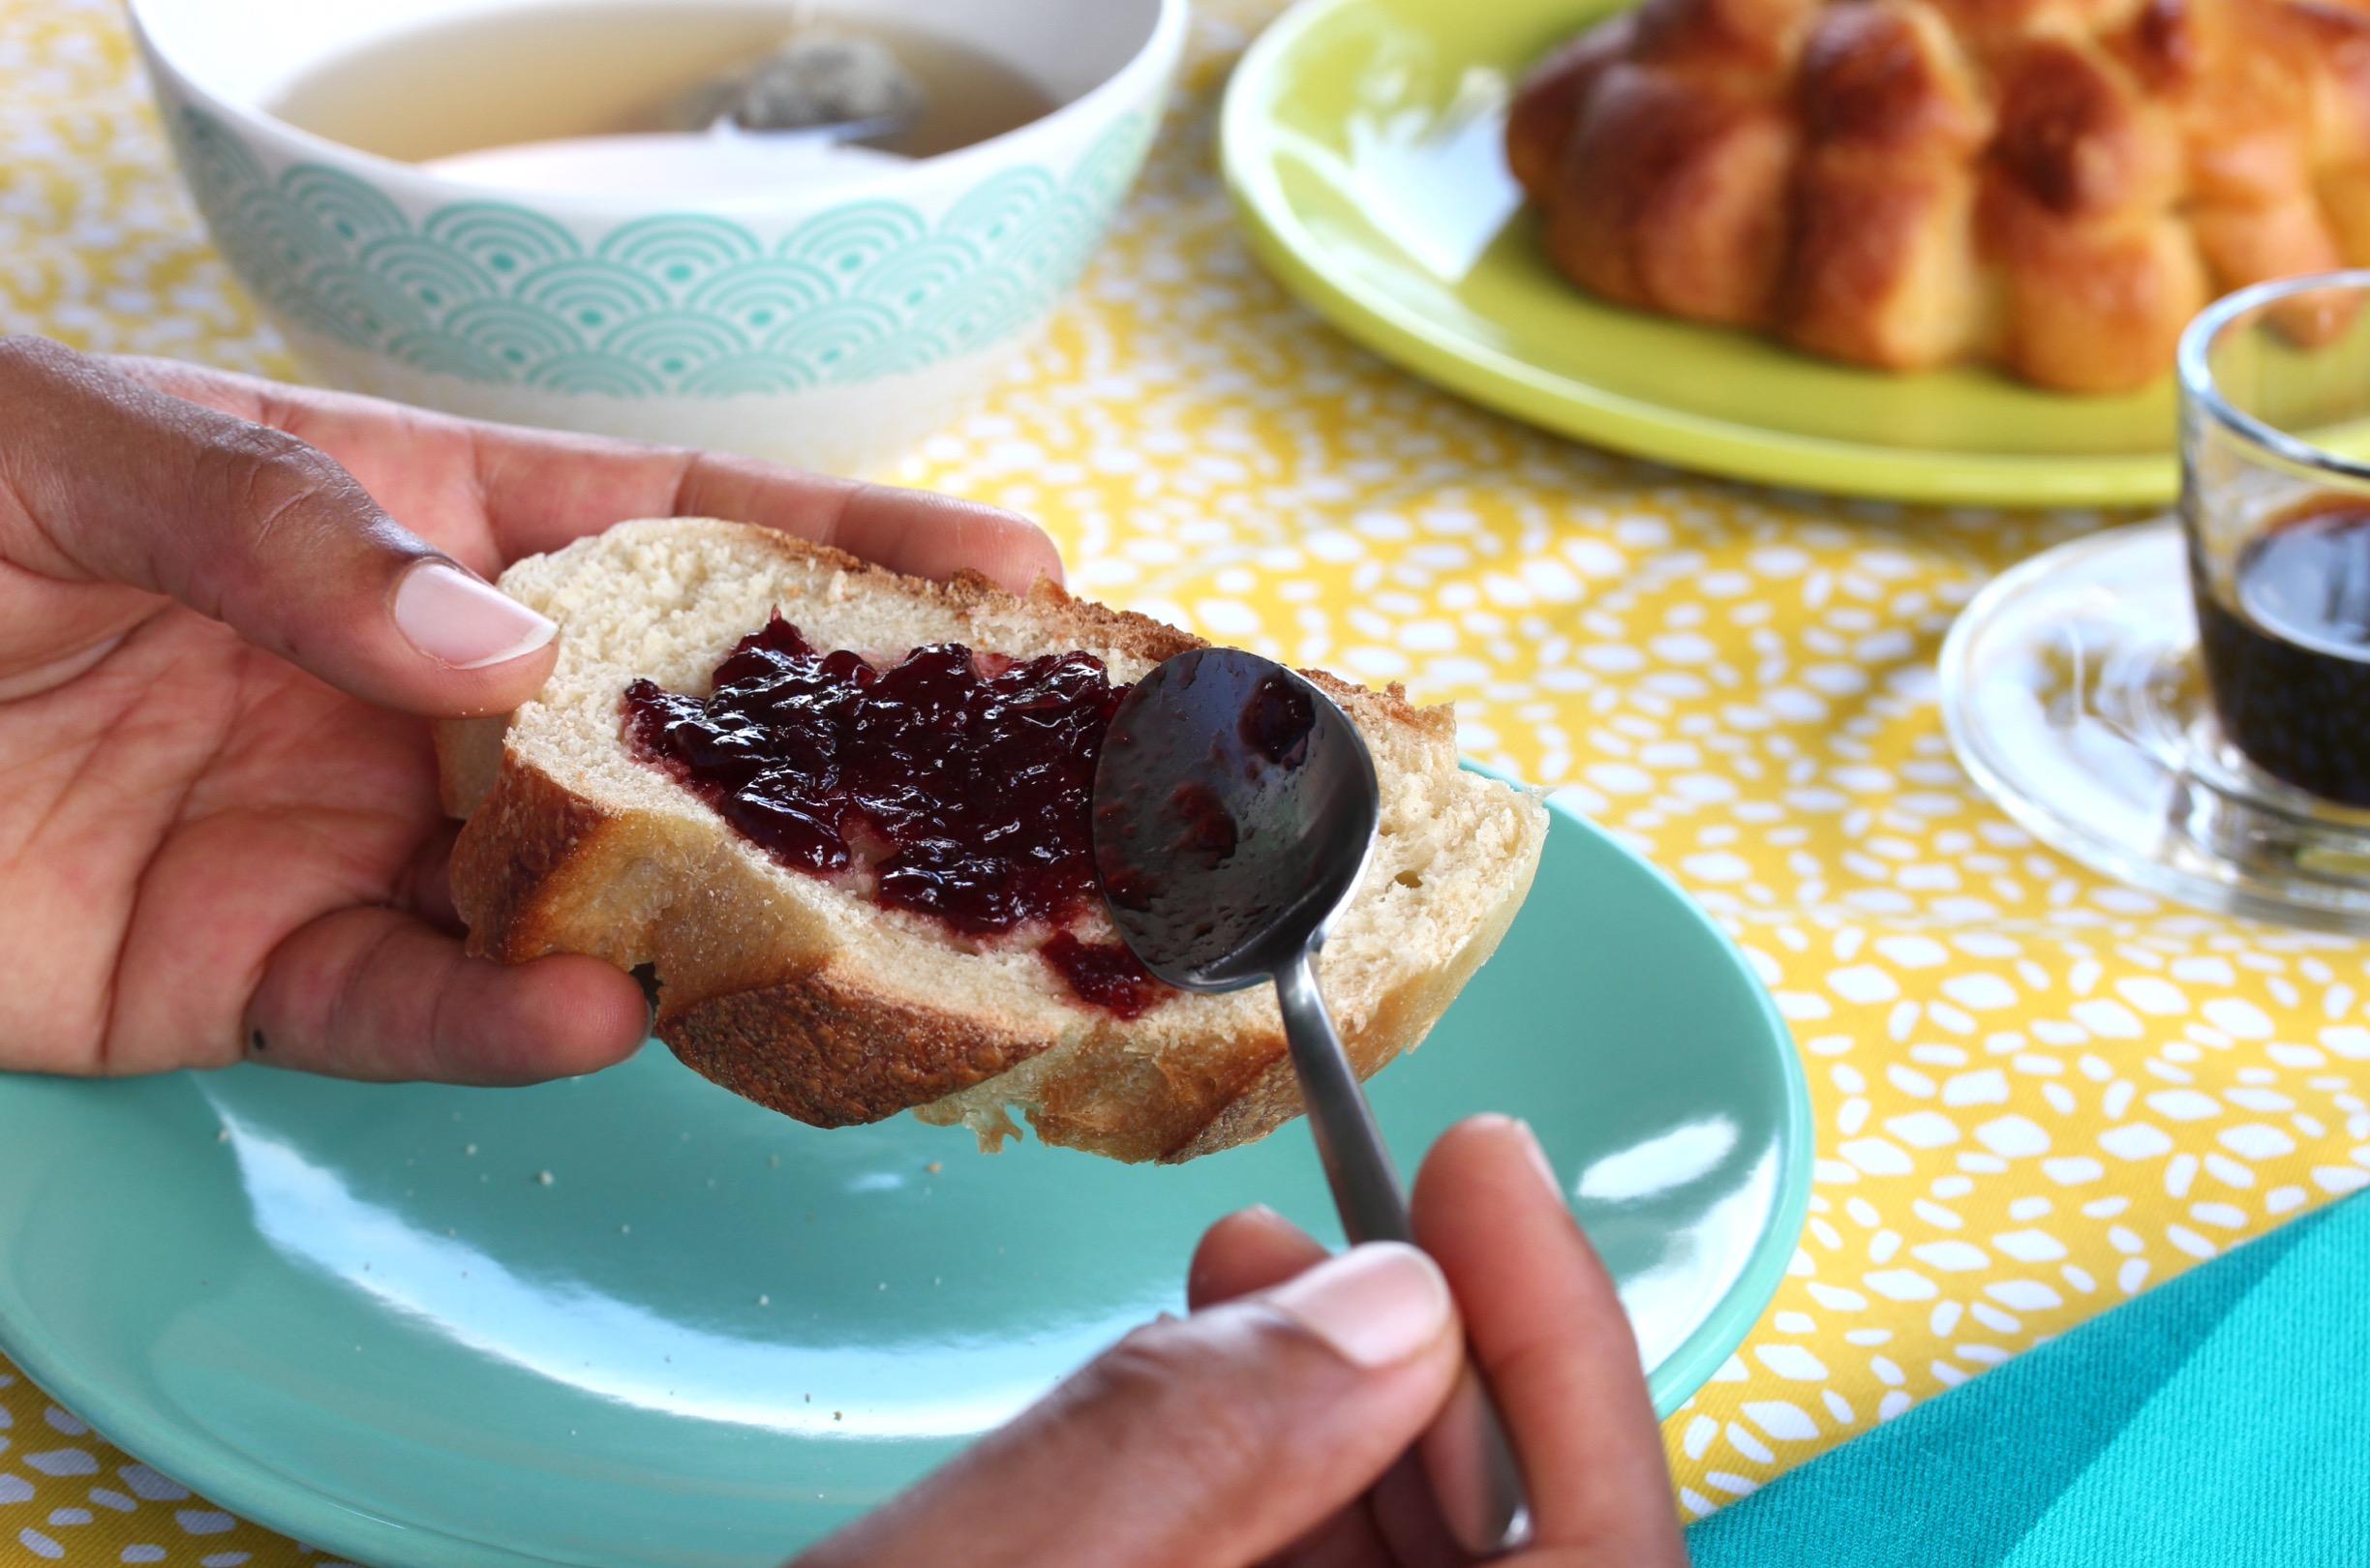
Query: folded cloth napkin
[(2221, 1418)]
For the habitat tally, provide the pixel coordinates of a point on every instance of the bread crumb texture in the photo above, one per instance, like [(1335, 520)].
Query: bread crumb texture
[(802, 994)]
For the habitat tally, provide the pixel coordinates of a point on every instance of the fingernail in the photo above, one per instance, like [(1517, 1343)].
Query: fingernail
[(1538, 1158), (1374, 1305), (456, 619), (1520, 1132)]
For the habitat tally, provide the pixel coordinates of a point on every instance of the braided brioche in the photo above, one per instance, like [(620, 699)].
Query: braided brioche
[(2056, 186)]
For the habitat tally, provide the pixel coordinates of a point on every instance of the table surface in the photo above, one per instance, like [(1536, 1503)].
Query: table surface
[(2037, 1093)]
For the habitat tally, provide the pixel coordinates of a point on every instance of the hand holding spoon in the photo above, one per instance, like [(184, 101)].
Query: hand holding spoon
[(1234, 812)]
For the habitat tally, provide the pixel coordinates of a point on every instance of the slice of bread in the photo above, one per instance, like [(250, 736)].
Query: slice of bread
[(800, 992)]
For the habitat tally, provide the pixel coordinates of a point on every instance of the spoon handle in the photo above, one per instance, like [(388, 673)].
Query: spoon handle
[(1476, 1480), (1357, 1164)]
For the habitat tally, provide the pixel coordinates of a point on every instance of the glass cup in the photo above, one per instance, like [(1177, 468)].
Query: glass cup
[(2186, 705), (2275, 505)]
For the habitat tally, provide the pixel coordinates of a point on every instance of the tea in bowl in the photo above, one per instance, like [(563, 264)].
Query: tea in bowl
[(788, 296)]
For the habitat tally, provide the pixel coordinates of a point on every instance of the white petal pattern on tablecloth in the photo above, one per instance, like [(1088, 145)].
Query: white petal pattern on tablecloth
[(2037, 1093)]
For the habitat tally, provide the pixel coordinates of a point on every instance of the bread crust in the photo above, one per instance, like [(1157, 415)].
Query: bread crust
[(519, 868), (840, 1052), (758, 999)]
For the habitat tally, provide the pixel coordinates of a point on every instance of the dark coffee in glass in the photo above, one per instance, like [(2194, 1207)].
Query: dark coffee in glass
[(2287, 653), (2276, 500)]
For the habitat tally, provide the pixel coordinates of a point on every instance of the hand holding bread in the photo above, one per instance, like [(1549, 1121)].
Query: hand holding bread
[(211, 649), (229, 610)]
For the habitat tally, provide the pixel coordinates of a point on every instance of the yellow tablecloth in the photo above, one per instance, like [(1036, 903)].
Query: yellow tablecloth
[(2037, 1093)]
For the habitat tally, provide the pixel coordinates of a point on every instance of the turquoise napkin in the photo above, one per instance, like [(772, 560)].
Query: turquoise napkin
[(2222, 1419)]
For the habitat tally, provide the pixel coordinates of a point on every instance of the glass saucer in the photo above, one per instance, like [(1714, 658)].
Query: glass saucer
[(2071, 691)]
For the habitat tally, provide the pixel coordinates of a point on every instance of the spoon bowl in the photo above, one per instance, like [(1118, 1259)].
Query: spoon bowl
[(1235, 810)]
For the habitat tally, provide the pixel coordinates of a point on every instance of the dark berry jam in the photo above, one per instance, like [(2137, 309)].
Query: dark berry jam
[(1209, 831), (956, 784), (1276, 722), (1104, 974)]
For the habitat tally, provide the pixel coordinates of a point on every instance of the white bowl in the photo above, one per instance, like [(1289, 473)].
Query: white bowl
[(829, 325)]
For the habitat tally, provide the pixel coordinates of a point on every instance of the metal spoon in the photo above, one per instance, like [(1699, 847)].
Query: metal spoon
[(1234, 812)]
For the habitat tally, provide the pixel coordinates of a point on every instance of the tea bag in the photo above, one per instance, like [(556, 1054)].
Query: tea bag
[(815, 78)]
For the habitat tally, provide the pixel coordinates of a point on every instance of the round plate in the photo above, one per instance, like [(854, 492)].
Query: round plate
[(2071, 693), (363, 1315), (1363, 143)]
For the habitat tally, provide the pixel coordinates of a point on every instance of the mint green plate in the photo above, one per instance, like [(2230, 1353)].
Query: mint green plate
[(356, 1314), (1362, 142)]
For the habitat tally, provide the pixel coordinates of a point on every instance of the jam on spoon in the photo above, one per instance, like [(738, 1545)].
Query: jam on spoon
[(955, 784)]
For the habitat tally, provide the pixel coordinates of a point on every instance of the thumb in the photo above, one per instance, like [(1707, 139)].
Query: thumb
[(114, 482), (1208, 1442)]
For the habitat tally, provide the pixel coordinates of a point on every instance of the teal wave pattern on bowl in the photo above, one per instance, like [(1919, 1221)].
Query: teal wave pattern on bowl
[(680, 304)]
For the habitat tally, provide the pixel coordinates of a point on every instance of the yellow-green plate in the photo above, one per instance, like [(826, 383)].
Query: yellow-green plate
[(1362, 142)]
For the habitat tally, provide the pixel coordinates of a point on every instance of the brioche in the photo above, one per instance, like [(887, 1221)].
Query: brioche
[(800, 992), (2054, 185)]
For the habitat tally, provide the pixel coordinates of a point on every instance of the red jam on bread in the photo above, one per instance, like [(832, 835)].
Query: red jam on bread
[(957, 785)]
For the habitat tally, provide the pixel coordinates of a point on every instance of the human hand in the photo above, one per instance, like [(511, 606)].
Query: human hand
[(1255, 1431), (227, 610)]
